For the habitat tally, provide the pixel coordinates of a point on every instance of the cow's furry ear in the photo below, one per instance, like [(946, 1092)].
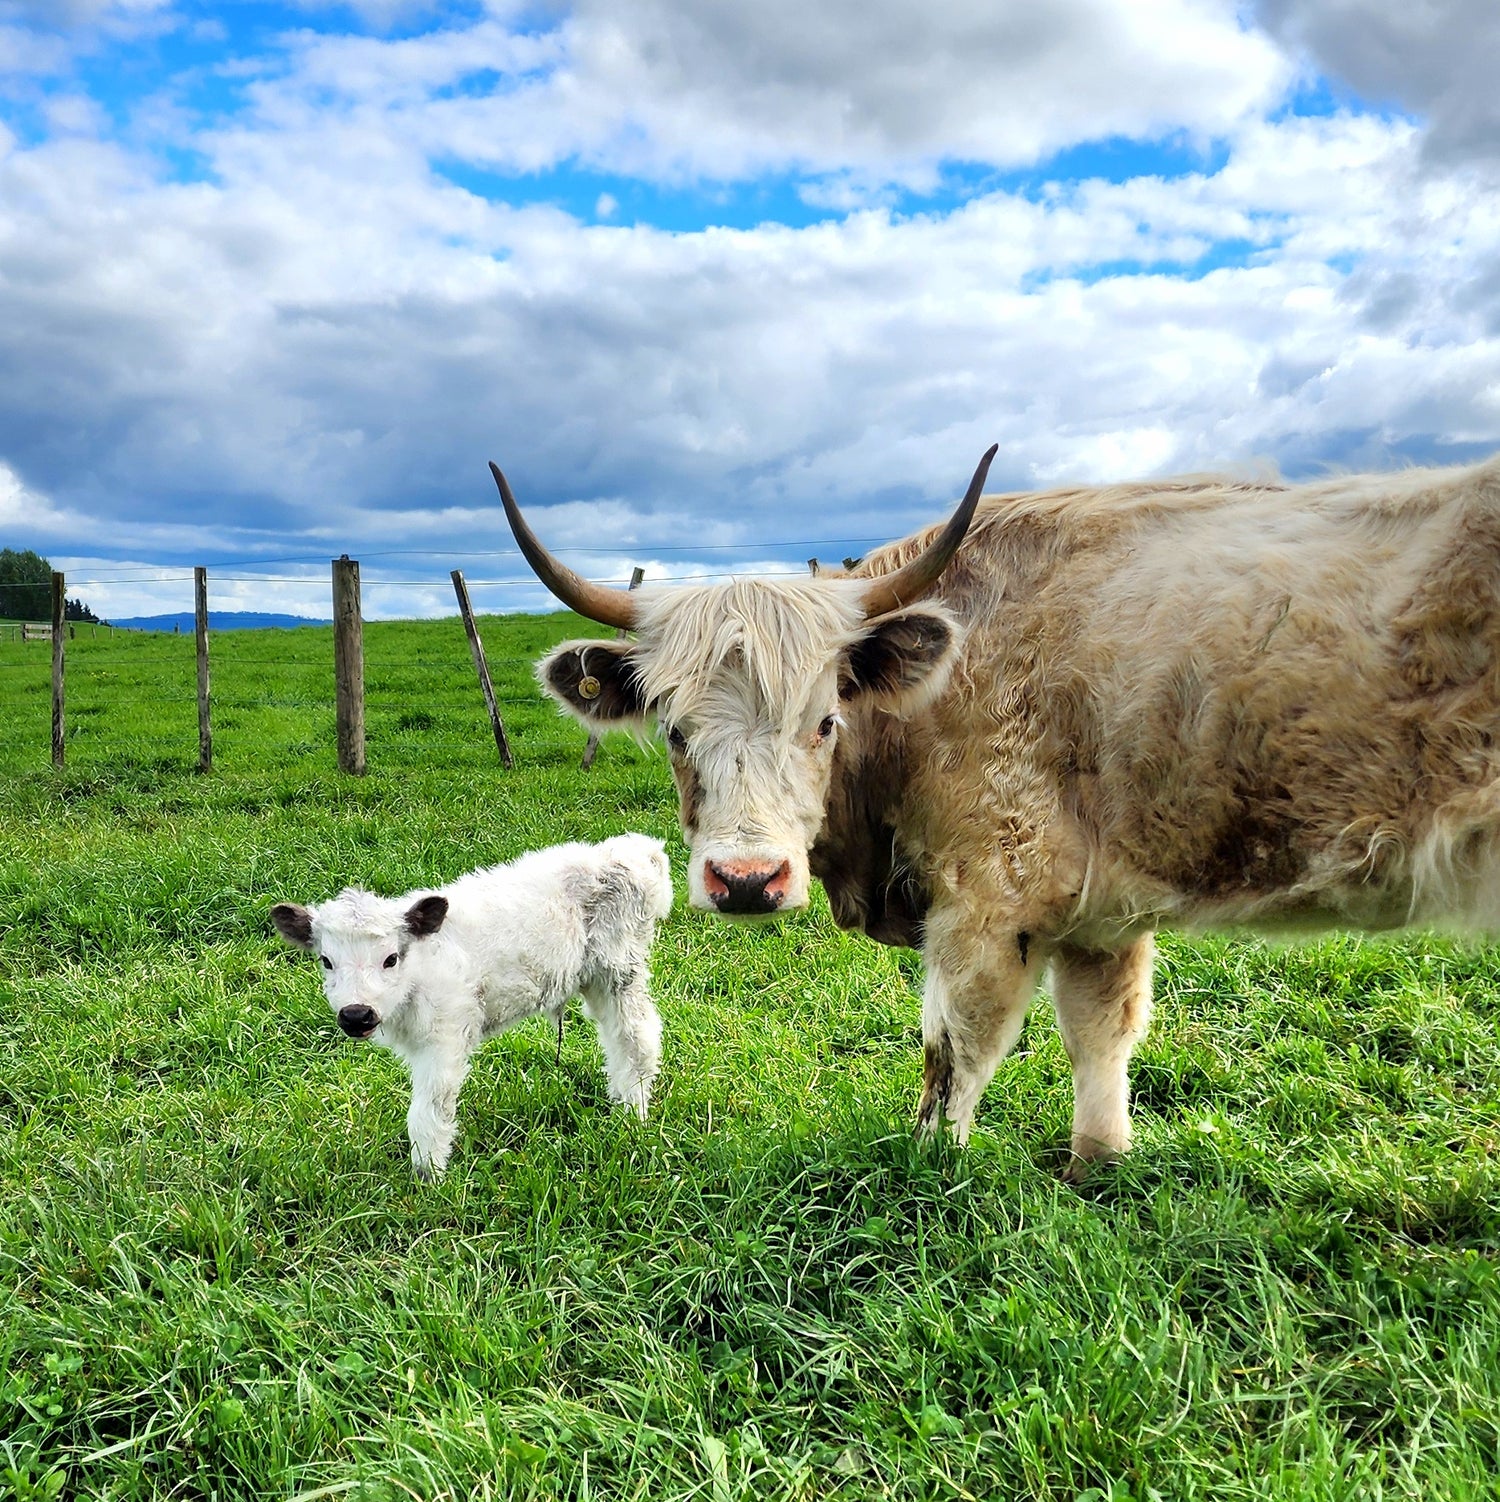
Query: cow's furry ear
[(293, 923), (425, 916), (596, 681), (903, 659)]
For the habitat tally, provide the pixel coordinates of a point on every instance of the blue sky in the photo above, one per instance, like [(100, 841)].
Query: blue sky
[(714, 281)]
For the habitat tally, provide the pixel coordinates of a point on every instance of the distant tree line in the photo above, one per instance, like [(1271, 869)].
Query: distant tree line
[(25, 589)]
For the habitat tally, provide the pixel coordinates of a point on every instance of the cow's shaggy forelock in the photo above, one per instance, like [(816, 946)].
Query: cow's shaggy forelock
[(780, 636)]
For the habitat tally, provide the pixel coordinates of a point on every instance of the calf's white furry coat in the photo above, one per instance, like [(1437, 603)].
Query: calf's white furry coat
[(432, 974)]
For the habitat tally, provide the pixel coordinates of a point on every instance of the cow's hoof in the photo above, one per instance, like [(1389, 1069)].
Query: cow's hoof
[(1077, 1170), (930, 1127)]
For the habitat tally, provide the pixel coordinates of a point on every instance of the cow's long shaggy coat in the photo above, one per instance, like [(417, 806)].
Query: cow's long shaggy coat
[(1197, 702)]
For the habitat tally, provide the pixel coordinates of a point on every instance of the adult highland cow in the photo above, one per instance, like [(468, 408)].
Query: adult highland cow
[(1029, 738)]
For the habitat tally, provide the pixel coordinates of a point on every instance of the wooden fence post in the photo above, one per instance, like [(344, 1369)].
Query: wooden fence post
[(476, 647), (812, 567), (200, 623), (591, 750), (349, 665), (59, 609)]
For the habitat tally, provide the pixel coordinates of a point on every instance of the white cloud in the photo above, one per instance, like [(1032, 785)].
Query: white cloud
[(862, 90), (18, 504), (73, 114), (315, 349), (120, 17), (724, 88), (335, 362), (23, 52)]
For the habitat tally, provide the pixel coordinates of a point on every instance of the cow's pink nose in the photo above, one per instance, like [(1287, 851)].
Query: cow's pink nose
[(746, 886)]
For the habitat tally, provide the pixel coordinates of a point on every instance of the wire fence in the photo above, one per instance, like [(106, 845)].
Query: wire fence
[(520, 594), (409, 695), (251, 570)]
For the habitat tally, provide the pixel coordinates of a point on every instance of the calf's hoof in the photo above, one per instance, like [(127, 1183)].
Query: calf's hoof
[(1087, 1154), (636, 1103)]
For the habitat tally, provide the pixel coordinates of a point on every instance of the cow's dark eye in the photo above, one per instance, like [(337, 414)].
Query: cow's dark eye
[(327, 963), (826, 728), (389, 962), (676, 739)]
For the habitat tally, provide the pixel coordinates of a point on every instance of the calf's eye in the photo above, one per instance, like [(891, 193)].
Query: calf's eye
[(826, 728), (676, 739), (389, 962), (327, 963)]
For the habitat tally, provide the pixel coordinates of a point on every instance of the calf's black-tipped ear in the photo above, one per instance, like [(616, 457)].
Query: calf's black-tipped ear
[(903, 658), (596, 681), (293, 923), (426, 916)]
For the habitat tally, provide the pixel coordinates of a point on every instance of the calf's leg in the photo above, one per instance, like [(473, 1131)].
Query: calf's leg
[(437, 1075), (629, 1030), (1103, 1004), (973, 1004)]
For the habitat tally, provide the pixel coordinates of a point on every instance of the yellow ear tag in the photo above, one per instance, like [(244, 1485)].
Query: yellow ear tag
[(588, 688)]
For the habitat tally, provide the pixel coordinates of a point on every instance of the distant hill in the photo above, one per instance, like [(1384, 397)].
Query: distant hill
[(218, 620)]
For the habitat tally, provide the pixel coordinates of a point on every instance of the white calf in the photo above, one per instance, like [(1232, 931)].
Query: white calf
[(431, 975)]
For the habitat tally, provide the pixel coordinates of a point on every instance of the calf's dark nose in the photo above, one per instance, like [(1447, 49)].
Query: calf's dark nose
[(358, 1022), (745, 887)]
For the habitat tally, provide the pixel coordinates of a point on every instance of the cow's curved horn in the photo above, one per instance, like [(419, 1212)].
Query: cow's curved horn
[(610, 607), (912, 580)]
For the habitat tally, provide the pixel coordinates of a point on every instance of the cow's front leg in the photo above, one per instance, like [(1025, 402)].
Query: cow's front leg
[(1103, 1004), (973, 1005), (437, 1075)]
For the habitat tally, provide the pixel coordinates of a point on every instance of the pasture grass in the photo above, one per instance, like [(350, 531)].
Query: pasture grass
[(219, 1279)]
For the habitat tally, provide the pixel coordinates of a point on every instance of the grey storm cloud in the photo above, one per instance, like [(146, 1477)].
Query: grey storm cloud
[(1436, 59)]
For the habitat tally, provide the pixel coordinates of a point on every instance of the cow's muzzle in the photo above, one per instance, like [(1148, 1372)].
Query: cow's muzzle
[(746, 888), (359, 1022)]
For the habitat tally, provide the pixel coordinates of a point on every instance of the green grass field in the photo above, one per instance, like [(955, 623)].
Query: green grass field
[(219, 1278)]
